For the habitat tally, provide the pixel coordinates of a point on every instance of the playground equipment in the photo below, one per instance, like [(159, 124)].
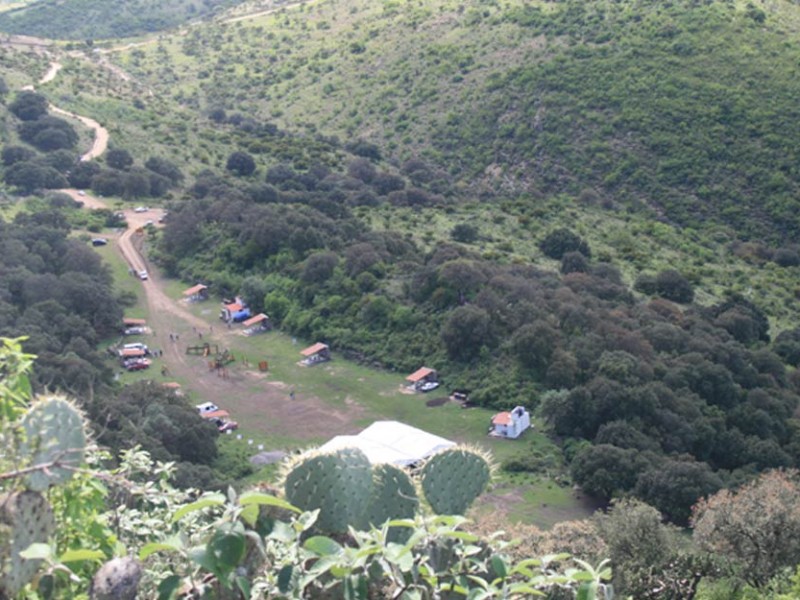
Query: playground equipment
[(202, 350)]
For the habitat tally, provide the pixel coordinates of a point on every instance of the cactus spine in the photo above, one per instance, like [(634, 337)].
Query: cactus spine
[(453, 478), (53, 436), (25, 518), (337, 483)]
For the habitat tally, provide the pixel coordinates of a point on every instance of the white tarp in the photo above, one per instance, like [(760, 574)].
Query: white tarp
[(391, 442)]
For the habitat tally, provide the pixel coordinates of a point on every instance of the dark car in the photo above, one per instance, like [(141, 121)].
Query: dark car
[(99, 241)]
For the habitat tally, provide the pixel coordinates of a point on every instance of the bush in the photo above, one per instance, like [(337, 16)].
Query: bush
[(559, 242)]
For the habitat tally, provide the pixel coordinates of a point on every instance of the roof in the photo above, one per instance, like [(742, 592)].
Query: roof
[(503, 418), (195, 290), (391, 442), (131, 352), (234, 307), (216, 414), (257, 319), (133, 322), (315, 349), (419, 374), (173, 385)]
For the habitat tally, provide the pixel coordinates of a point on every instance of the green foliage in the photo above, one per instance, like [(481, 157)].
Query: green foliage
[(92, 19)]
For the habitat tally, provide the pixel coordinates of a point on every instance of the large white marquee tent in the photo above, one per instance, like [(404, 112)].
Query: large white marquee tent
[(391, 442)]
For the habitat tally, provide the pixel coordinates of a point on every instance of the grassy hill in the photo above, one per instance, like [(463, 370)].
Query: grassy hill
[(684, 110), (101, 19)]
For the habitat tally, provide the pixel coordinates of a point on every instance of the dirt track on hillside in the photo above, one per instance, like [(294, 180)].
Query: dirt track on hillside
[(253, 399)]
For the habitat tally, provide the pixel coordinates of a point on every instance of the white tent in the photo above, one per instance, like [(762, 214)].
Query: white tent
[(391, 442)]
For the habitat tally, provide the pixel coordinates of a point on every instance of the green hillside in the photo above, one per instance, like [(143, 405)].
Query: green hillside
[(685, 109), (102, 19)]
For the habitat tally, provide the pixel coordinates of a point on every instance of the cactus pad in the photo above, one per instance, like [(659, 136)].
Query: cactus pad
[(453, 479), (118, 579), (25, 518), (54, 432), (338, 483), (393, 495)]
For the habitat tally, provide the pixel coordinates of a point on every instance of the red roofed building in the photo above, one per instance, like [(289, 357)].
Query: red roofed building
[(510, 424), (423, 379), (196, 293), (319, 352)]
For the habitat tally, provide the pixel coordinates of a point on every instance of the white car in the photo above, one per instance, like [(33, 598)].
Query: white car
[(206, 407), (140, 209), (143, 275), (429, 386), (81, 193)]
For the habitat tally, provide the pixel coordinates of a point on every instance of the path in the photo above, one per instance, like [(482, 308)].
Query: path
[(250, 397)]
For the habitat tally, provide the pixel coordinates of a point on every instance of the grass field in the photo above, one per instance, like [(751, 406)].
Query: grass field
[(365, 394)]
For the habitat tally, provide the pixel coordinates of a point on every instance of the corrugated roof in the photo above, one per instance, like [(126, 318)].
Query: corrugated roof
[(420, 374), (133, 322), (131, 352), (195, 289), (257, 319), (234, 307), (217, 414), (316, 348)]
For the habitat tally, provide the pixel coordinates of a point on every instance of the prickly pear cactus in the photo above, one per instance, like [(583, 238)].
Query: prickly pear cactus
[(453, 479), (54, 432), (338, 483), (118, 579), (393, 496), (25, 518)]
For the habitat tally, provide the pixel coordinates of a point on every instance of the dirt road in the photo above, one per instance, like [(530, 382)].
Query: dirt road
[(100, 142), (251, 398)]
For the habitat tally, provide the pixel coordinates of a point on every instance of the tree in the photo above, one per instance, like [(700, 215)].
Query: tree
[(757, 526), (574, 262), (81, 175), (673, 286), (28, 106), (607, 471), (465, 332), (319, 267), (29, 131), (361, 168), (165, 168), (464, 233), (15, 154), (534, 343), (241, 163), (135, 183), (674, 486), (29, 176), (560, 241), (119, 158)]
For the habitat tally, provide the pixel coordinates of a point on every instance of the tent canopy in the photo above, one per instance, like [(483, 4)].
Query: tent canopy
[(419, 374), (391, 442), (311, 350), (195, 290)]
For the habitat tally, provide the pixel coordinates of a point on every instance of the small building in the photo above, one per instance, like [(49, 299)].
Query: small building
[(317, 353), (391, 442), (133, 322), (196, 293), (234, 312), (423, 379), (510, 424), (258, 324)]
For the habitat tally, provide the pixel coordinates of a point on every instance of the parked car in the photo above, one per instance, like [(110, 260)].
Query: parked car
[(140, 209), (134, 331), (99, 241), (143, 275), (428, 386), (137, 364), (81, 193), (206, 407)]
